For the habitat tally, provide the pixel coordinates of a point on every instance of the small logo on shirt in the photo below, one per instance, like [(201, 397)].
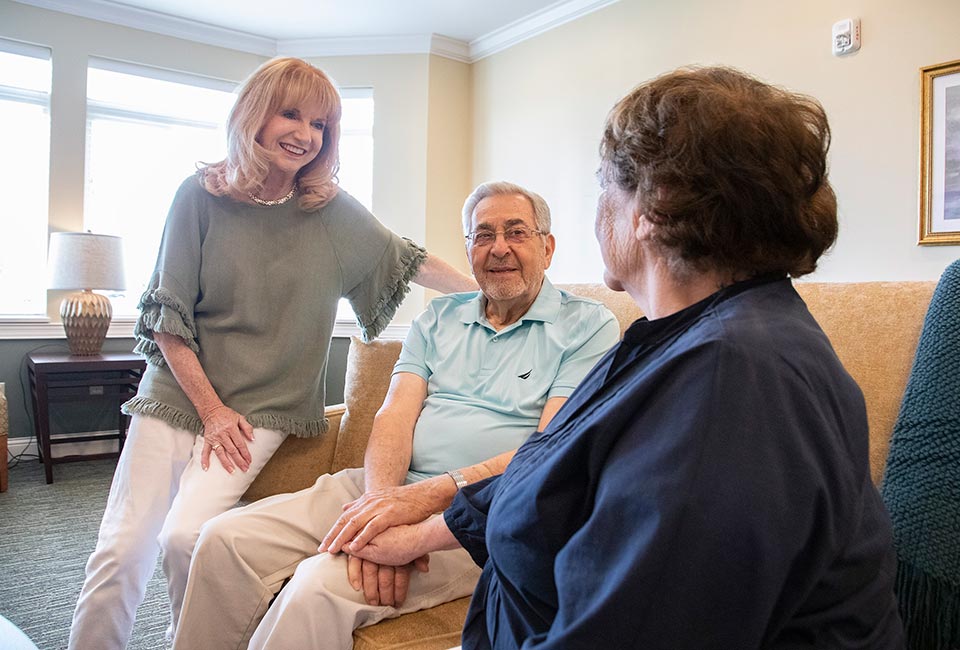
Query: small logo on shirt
[(526, 374)]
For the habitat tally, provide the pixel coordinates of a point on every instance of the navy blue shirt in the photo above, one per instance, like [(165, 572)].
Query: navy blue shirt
[(707, 486)]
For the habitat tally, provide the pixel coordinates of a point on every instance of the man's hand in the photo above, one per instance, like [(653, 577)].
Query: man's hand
[(382, 584), (378, 510)]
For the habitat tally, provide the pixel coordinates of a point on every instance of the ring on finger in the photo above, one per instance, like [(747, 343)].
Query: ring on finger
[(216, 447)]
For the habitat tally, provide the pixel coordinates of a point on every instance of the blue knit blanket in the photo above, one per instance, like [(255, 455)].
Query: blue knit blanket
[(921, 484)]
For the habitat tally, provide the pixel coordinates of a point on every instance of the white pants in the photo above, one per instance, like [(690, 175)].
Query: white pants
[(159, 499), (244, 556)]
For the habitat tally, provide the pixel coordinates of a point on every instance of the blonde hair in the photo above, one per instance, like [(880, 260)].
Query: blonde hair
[(277, 84)]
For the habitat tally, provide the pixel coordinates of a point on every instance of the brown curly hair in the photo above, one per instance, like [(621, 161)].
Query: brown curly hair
[(731, 172)]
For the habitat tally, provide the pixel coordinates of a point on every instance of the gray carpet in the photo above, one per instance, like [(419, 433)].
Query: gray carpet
[(46, 534)]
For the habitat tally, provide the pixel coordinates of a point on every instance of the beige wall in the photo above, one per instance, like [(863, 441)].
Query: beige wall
[(538, 108), (400, 96), (448, 157)]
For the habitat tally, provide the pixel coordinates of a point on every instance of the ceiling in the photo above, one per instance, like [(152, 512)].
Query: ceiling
[(469, 29)]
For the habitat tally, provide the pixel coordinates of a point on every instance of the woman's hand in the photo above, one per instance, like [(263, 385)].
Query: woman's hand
[(225, 433), (378, 510), (402, 545)]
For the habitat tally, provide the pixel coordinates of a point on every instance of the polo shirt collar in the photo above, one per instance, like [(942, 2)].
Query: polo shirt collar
[(546, 307)]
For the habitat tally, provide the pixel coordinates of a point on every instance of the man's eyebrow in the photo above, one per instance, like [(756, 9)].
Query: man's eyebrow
[(516, 221)]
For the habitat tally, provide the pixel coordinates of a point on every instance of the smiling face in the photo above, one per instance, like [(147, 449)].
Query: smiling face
[(509, 272), (293, 137)]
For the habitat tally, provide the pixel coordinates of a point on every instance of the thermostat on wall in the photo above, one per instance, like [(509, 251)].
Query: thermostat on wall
[(846, 36)]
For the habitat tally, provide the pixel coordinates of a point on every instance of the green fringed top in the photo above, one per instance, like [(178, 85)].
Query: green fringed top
[(253, 290)]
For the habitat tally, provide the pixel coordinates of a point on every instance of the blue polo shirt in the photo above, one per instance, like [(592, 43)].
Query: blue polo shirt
[(486, 389)]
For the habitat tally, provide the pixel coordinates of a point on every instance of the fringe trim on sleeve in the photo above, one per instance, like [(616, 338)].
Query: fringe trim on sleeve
[(176, 418), (152, 320), (381, 315)]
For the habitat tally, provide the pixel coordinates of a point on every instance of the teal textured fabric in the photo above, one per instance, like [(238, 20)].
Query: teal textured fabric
[(921, 485)]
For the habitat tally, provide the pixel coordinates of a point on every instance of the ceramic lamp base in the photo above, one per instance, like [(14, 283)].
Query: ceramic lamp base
[(86, 317)]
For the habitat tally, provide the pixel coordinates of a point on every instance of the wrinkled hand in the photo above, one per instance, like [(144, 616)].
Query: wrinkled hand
[(378, 510), (396, 546), (382, 584), (226, 432)]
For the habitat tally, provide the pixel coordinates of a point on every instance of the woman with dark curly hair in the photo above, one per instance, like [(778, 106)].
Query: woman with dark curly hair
[(707, 485)]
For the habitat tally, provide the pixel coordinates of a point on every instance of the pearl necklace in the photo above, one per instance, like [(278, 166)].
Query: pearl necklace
[(283, 199)]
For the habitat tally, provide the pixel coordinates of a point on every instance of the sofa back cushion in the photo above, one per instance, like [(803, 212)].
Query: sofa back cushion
[(369, 368), (874, 327)]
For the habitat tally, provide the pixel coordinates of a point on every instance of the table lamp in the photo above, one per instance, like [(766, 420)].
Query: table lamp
[(85, 261)]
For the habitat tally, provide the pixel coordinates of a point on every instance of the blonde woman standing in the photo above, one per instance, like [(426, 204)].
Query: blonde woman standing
[(236, 325)]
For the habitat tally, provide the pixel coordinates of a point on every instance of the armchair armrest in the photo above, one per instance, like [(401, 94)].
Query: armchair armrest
[(299, 461)]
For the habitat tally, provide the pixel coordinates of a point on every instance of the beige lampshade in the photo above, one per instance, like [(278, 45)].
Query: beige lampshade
[(82, 260)]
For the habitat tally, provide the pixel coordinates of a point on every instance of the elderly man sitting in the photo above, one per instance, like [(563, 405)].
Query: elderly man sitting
[(479, 373)]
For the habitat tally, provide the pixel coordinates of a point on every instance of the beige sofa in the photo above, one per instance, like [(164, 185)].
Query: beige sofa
[(873, 326)]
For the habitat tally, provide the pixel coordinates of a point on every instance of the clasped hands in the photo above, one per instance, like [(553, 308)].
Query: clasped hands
[(374, 531)]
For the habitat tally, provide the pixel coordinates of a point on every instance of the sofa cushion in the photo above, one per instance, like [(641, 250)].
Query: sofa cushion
[(297, 462), (369, 368), (874, 328), (437, 628)]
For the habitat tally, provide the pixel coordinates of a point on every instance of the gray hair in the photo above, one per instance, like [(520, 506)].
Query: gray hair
[(497, 188)]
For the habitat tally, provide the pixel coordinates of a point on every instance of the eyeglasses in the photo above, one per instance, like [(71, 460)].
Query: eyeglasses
[(512, 235)]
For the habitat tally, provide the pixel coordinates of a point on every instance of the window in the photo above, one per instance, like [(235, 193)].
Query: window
[(24, 173), (356, 144), (146, 131), (356, 157)]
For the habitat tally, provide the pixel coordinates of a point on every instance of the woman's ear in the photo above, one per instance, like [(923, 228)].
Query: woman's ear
[(642, 227)]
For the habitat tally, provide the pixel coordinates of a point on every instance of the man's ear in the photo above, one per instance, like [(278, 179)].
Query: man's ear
[(550, 244)]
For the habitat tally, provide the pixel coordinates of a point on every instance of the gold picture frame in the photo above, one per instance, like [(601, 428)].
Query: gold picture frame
[(940, 154)]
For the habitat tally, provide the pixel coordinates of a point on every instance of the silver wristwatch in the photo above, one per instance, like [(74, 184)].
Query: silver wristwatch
[(457, 478)]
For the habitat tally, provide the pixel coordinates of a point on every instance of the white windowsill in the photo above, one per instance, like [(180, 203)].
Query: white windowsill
[(43, 328)]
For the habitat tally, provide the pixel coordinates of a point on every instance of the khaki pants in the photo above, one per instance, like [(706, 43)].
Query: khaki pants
[(244, 556)]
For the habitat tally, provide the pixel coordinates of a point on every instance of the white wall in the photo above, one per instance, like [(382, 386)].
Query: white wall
[(538, 109)]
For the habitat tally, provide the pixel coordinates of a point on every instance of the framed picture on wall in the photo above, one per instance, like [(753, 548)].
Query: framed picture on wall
[(940, 154)]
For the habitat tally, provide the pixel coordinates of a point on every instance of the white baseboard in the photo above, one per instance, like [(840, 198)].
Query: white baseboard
[(19, 445)]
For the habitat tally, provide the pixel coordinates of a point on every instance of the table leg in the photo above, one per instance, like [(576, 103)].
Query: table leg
[(42, 410)]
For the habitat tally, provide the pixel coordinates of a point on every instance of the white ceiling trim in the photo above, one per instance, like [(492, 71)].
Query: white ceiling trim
[(496, 41), (151, 21), (533, 25)]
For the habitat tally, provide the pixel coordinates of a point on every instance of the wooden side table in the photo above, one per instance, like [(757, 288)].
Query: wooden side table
[(69, 378)]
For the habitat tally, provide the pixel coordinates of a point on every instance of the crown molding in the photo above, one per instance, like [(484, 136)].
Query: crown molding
[(191, 30), (450, 48), (159, 23), (354, 46), (533, 25)]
